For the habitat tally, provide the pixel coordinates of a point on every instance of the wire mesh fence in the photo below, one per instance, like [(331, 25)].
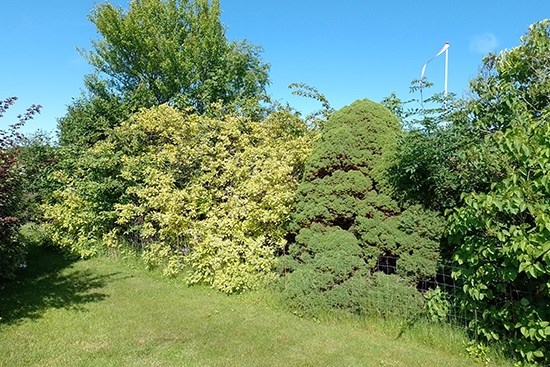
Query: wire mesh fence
[(443, 281), (441, 295)]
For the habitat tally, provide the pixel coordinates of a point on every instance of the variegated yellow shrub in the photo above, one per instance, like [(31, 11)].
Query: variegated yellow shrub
[(210, 194)]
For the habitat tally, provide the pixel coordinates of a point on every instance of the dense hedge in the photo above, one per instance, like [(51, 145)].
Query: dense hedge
[(484, 161)]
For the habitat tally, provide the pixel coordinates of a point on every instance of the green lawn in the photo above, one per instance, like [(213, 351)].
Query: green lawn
[(99, 313)]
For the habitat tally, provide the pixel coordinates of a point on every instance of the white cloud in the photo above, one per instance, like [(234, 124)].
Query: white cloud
[(483, 43)]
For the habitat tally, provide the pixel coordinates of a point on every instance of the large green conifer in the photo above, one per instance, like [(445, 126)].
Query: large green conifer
[(347, 225)]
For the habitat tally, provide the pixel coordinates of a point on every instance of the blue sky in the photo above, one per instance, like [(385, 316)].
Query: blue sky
[(348, 49)]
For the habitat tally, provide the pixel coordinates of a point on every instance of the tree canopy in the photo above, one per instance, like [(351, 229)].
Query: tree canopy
[(161, 51)]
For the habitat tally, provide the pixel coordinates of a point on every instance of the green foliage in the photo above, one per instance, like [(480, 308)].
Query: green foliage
[(427, 167), (488, 156), (81, 210), (161, 51), (325, 270), (155, 52), (481, 353), (347, 223), (318, 118), (424, 114), (92, 116), (503, 239), (221, 204), (185, 190), (12, 252), (437, 305), (38, 157), (503, 235), (513, 82), (433, 164)]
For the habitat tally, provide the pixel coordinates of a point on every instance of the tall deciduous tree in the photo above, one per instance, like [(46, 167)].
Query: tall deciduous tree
[(162, 51)]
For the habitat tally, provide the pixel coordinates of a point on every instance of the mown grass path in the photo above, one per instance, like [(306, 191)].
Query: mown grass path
[(102, 313)]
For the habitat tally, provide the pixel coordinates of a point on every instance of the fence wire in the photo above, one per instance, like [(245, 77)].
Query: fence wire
[(443, 280)]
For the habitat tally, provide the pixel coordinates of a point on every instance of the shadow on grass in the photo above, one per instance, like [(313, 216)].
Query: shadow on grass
[(47, 282)]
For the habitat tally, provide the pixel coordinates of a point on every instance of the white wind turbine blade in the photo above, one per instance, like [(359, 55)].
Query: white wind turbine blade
[(443, 49), (423, 71)]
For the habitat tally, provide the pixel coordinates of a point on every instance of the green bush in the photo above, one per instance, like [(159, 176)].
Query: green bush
[(437, 305), (391, 296), (325, 271), (502, 235), (38, 156), (503, 240), (333, 277), (348, 226), (12, 252), (81, 211)]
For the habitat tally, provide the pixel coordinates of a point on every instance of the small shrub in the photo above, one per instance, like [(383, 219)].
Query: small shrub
[(390, 296), (324, 270), (437, 305)]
